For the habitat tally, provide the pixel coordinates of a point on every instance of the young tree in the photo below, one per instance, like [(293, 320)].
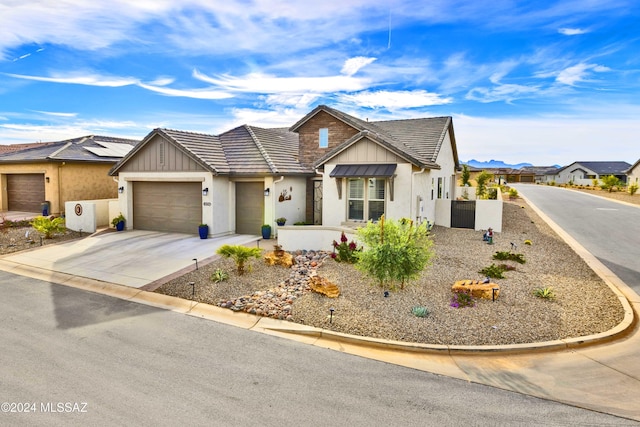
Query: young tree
[(466, 174), (48, 226), (482, 180), (609, 182), (394, 251)]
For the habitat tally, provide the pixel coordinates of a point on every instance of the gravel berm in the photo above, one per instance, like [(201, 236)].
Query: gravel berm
[(583, 304)]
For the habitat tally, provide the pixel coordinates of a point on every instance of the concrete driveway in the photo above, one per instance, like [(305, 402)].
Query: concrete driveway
[(132, 258)]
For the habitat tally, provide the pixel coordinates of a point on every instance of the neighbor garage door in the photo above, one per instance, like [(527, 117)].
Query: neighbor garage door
[(25, 192), (167, 206), (249, 207)]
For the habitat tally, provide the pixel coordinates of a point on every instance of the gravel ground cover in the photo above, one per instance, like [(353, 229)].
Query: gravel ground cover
[(583, 305), (16, 239)]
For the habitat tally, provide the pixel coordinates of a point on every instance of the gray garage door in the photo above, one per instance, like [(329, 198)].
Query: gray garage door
[(25, 192), (167, 206), (249, 207)]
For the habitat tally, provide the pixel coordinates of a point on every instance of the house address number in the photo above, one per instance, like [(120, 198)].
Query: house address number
[(78, 209), (207, 203)]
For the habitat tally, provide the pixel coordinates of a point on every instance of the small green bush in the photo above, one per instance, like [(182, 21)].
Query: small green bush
[(509, 256), (633, 188), (48, 226), (420, 311), (513, 193), (494, 271), (544, 293), (219, 275), (462, 299)]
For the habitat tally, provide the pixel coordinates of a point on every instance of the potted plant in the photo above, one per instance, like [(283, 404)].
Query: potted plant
[(281, 221), (266, 231), (203, 230), (118, 222)]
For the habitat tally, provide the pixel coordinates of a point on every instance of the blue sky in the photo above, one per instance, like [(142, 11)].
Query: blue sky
[(548, 82)]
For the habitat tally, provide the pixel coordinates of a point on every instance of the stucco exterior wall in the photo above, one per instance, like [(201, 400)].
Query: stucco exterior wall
[(634, 176), (287, 199), (67, 181)]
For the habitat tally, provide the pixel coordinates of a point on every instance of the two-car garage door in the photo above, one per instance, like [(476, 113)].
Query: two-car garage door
[(174, 207)]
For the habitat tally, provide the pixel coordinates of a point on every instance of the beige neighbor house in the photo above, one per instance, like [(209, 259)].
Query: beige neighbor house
[(329, 169), (583, 173), (633, 174), (56, 172)]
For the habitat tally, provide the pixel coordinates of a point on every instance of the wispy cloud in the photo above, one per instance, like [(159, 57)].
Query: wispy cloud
[(56, 114), (578, 73), (572, 31), (81, 79), (394, 100)]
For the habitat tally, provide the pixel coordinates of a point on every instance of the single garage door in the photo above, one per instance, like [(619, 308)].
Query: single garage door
[(249, 207), (25, 192), (174, 207)]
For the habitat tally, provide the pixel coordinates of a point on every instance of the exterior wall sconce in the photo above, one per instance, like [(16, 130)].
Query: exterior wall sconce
[(267, 191), (47, 179), (120, 190), (205, 191)]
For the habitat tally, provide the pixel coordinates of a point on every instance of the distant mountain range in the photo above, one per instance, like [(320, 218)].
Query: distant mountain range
[(494, 164)]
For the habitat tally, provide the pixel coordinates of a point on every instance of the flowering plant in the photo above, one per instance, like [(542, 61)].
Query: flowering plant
[(346, 251), (462, 299)]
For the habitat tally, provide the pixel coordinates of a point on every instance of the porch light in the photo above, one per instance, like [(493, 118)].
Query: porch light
[(205, 191), (267, 191), (120, 190)]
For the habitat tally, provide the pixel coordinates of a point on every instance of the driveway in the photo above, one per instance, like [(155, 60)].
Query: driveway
[(132, 258)]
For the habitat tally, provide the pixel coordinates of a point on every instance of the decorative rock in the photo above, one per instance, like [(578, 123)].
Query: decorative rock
[(285, 259), (477, 289), (323, 286)]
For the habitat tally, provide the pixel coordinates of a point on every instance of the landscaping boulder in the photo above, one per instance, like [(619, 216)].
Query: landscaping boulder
[(477, 288), (323, 286)]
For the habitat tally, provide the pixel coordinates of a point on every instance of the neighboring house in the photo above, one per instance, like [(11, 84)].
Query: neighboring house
[(56, 172), (633, 174), (583, 173), (328, 169), (537, 174)]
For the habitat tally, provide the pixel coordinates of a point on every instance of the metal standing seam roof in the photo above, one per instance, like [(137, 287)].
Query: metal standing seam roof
[(363, 171), (82, 149)]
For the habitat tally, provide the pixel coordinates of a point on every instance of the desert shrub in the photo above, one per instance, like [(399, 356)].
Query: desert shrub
[(395, 251), (544, 293), (632, 188), (48, 226), (610, 182), (240, 254), (462, 299), (420, 311), (345, 251), (219, 275), (494, 271), (513, 193), (509, 256)]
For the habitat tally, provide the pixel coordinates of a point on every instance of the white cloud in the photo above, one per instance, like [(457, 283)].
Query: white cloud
[(393, 100), (188, 93), (353, 65), (268, 84), (56, 114), (578, 73), (572, 31), (502, 92), (81, 79)]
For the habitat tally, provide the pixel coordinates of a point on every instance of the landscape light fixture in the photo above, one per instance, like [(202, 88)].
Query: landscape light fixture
[(267, 191), (205, 191), (493, 294), (196, 260), (331, 310), (120, 190), (193, 289)]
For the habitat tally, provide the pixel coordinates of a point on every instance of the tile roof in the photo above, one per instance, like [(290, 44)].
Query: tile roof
[(82, 149), (603, 168), (418, 140), (16, 147), (204, 149)]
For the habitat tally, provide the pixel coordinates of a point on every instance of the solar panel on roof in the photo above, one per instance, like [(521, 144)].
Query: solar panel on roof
[(110, 149)]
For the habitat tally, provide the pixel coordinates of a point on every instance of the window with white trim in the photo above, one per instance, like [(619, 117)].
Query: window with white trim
[(365, 203), (324, 137)]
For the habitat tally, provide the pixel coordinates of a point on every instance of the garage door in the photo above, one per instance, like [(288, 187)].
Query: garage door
[(174, 207), (249, 207), (25, 192)]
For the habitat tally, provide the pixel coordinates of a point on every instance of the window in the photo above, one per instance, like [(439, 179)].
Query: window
[(440, 186), (365, 203), (324, 137)]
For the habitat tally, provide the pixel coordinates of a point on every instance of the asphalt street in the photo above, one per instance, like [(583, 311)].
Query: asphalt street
[(608, 229), (72, 357)]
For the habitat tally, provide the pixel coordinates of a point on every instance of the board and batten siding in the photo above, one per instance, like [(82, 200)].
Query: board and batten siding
[(366, 151), (160, 155)]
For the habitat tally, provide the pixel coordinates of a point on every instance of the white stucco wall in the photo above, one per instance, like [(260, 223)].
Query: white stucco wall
[(287, 199), (634, 176), (311, 237), (576, 173)]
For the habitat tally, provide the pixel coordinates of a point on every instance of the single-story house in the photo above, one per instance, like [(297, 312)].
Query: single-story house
[(329, 169), (583, 173), (633, 174), (56, 172)]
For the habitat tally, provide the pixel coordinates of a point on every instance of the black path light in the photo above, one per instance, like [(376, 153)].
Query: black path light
[(196, 260), (331, 310), (193, 289), (493, 294)]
